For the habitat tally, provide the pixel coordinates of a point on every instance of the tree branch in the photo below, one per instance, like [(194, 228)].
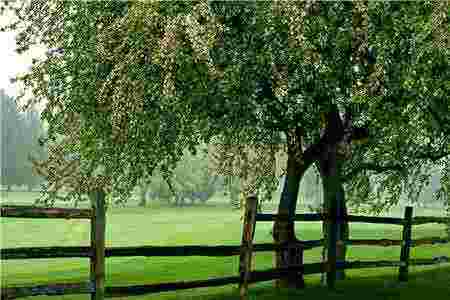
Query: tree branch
[(372, 167), (431, 156), (312, 153)]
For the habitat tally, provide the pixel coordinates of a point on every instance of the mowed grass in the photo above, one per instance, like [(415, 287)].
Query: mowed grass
[(211, 225)]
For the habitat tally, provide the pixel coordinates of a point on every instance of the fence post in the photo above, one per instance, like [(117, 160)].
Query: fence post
[(98, 223), (406, 245), (248, 232)]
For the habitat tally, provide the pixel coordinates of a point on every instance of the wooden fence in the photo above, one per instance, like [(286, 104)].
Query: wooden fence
[(97, 252)]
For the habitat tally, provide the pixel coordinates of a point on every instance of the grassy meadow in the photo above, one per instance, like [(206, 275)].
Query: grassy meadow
[(214, 224)]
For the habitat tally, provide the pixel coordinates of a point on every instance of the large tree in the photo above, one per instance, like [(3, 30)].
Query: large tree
[(145, 80)]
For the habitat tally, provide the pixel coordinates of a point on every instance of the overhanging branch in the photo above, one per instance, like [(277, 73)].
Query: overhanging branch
[(372, 167)]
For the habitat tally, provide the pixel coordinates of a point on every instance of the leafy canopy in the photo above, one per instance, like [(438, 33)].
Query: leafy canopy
[(130, 85)]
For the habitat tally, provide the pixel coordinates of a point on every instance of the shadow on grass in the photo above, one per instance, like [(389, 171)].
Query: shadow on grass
[(421, 284)]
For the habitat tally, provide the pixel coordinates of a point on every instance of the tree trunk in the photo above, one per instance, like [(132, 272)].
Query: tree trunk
[(283, 230), (179, 201), (77, 200), (330, 161), (143, 198), (172, 190), (342, 234), (331, 184)]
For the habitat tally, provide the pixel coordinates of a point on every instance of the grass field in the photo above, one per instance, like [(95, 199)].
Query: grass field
[(212, 225)]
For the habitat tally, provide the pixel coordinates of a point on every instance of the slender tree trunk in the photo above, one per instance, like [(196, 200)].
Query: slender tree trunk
[(143, 198), (77, 200), (172, 191), (284, 231)]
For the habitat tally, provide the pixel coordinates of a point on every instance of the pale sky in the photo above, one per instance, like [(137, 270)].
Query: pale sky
[(11, 63)]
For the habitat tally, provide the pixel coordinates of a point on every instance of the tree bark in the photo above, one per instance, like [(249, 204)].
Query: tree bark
[(343, 230), (330, 182), (283, 228), (334, 199)]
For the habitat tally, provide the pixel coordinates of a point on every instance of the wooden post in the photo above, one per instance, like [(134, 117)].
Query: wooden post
[(248, 233), (406, 245), (98, 223)]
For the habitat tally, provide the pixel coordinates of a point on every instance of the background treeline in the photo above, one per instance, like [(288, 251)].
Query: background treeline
[(191, 176), (20, 133)]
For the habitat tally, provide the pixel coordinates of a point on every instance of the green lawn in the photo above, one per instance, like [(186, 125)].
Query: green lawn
[(212, 225)]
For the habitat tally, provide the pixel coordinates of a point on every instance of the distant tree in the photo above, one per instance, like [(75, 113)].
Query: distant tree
[(191, 179), (11, 130), (31, 147), (20, 133)]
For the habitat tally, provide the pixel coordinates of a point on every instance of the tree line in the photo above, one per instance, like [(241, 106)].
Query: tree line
[(20, 133)]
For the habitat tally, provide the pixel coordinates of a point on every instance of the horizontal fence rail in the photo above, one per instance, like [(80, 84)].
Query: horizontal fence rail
[(194, 250), (255, 276), (46, 252), (426, 220), (429, 241), (50, 290), (324, 217), (388, 242), (13, 211)]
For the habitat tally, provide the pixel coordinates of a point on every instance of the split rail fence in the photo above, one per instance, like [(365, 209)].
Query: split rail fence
[(97, 252)]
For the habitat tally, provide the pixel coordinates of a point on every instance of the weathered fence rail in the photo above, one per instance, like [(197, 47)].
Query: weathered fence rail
[(426, 220), (324, 217), (14, 211), (51, 290), (194, 250), (255, 276), (97, 252), (96, 215)]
